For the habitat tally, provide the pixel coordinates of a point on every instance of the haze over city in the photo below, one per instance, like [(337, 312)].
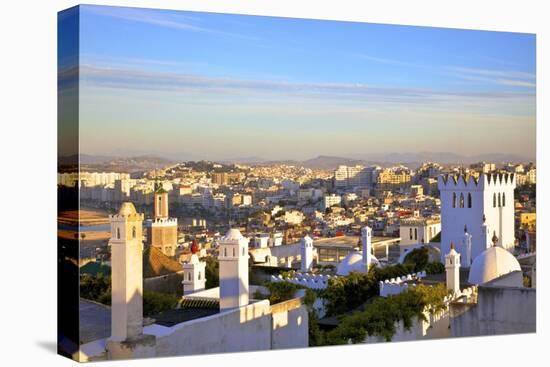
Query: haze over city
[(187, 85)]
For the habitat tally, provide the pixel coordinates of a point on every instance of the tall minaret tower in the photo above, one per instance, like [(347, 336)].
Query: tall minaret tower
[(161, 204), (467, 246), (452, 269), (366, 240), (233, 258), (127, 273), (162, 231), (306, 249)]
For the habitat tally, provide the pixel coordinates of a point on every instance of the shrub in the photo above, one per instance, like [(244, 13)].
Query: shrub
[(381, 316), (435, 268), (418, 258), (155, 302)]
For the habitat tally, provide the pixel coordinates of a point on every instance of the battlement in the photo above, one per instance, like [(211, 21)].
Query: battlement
[(397, 285), (126, 217), (312, 281), (470, 182)]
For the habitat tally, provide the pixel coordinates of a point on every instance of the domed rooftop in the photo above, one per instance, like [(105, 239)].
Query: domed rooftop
[(491, 264), (354, 262), (233, 235), (127, 208)]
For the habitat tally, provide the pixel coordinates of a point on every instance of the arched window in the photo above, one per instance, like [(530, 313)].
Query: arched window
[(134, 232), (189, 276), (454, 199), (499, 200), (469, 200), (416, 233), (233, 251), (462, 200), (410, 233), (225, 251), (494, 200), (118, 233), (199, 275), (503, 200)]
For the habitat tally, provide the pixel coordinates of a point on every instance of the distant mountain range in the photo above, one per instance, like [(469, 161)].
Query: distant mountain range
[(148, 162), (118, 164), (412, 160)]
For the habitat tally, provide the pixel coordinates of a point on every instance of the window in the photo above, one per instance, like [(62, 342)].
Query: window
[(494, 200), (243, 251), (416, 233), (199, 275), (410, 233), (233, 251), (503, 200), (499, 200), (134, 232), (461, 200), (225, 251), (454, 200), (189, 276), (469, 200), (118, 233)]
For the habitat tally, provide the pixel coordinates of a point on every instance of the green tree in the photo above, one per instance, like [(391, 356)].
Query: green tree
[(212, 272), (380, 317), (155, 302), (418, 258)]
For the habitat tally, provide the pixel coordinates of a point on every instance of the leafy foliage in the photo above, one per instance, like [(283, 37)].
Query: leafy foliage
[(156, 302), (96, 288), (435, 268), (344, 294), (212, 272), (418, 258), (381, 316)]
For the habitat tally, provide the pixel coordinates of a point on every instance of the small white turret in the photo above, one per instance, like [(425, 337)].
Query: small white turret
[(306, 249), (233, 258), (194, 278), (452, 270), (366, 240)]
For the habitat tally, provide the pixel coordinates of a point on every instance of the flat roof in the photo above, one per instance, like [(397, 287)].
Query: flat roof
[(350, 241)]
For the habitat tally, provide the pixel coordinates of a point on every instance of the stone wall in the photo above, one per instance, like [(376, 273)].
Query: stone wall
[(499, 310)]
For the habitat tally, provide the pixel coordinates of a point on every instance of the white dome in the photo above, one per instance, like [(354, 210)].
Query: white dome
[(491, 264), (354, 262), (233, 235)]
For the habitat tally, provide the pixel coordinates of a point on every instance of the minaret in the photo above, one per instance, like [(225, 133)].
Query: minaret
[(467, 246), (161, 204), (452, 269), (127, 273), (306, 249), (233, 258), (366, 240), (194, 277), (162, 231)]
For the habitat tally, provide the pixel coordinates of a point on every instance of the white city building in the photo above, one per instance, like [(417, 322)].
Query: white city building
[(484, 206)]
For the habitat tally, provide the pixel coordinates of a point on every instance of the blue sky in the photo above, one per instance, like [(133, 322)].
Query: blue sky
[(199, 85)]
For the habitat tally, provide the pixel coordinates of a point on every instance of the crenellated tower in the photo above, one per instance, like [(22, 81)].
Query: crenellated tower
[(483, 205)]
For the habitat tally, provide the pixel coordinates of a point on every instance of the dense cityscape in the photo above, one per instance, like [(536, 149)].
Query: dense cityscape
[(304, 228)]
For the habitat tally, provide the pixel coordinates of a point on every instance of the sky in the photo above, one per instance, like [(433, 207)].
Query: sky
[(191, 85)]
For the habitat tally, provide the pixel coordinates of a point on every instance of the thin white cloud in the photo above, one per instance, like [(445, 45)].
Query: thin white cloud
[(161, 19), (511, 78)]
